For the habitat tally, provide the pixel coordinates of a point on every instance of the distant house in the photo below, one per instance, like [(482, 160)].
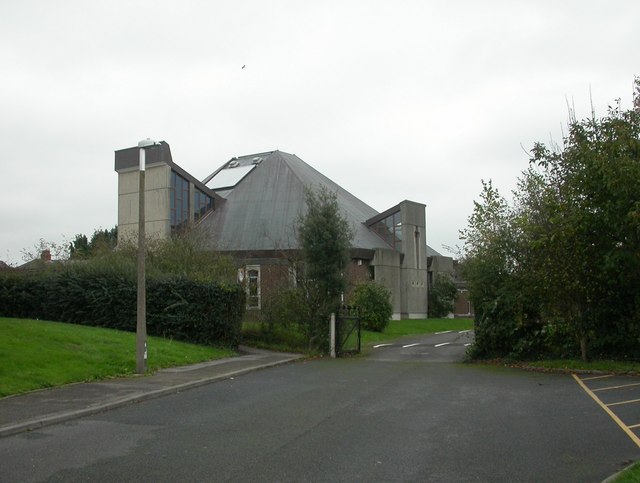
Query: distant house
[(41, 263), (248, 208), (442, 265), (463, 306)]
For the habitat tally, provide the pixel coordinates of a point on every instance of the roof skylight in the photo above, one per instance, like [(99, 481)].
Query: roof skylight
[(229, 177)]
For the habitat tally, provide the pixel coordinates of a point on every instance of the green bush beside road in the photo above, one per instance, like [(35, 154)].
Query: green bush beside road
[(198, 311), (373, 302), (553, 270)]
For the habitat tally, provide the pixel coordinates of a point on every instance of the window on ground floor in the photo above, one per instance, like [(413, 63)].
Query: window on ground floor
[(253, 287)]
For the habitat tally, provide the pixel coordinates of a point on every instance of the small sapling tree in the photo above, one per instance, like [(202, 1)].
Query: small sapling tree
[(325, 239)]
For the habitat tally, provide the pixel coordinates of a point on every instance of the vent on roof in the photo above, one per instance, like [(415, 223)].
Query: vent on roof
[(233, 164), (256, 160)]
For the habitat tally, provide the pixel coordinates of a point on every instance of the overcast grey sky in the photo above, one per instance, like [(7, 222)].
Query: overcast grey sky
[(392, 100)]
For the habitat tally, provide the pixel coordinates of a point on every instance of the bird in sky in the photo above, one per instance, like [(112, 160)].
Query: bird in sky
[(243, 67)]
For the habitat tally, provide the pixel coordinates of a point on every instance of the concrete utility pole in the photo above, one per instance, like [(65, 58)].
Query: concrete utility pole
[(141, 311)]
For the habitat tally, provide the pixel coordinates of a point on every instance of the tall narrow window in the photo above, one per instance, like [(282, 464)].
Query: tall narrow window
[(179, 206), (417, 233), (253, 287), (202, 203), (293, 276)]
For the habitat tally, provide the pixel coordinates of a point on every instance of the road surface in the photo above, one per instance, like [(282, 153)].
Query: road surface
[(409, 411)]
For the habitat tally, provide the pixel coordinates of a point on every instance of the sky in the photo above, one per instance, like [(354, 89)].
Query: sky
[(392, 100)]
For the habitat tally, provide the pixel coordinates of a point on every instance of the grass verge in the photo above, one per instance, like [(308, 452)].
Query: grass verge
[(630, 475), (36, 354), (573, 365)]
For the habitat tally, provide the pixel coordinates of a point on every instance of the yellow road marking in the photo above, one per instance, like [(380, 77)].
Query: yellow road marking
[(597, 377), (623, 402), (616, 387), (618, 421)]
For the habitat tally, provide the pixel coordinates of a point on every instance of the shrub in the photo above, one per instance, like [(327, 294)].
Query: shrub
[(374, 305), (282, 324), (186, 254), (21, 295), (284, 309), (195, 311), (442, 296), (203, 312)]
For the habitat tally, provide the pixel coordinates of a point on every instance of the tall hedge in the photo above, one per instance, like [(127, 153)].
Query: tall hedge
[(203, 312)]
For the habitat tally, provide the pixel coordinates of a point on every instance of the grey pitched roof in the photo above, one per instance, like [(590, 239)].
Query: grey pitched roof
[(262, 209), (432, 253)]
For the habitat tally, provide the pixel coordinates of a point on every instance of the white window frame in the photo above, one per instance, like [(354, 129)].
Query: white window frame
[(248, 269)]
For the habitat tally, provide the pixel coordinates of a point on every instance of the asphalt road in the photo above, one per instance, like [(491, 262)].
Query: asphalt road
[(406, 412)]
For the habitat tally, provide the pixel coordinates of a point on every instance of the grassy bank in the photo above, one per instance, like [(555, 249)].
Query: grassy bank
[(37, 354)]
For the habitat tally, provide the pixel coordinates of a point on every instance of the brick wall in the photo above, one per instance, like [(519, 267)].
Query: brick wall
[(463, 305), (275, 275)]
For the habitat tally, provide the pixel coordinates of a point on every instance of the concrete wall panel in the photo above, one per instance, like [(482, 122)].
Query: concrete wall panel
[(128, 182), (157, 200)]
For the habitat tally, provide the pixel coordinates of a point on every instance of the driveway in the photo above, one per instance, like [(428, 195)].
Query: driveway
[(406, 412), (446, 346)]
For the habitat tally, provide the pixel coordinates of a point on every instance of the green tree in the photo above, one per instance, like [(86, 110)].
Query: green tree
[(491, 265), (325, 240), (102, 240), (592, 247), (79, 247), (442, 296), (560, 267)]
